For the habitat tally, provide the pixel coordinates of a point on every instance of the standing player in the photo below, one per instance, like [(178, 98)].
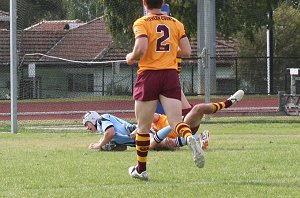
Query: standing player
[(159, 39)]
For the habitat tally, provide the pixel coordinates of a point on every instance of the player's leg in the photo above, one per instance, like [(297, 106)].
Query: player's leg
[(174, 118), (146, 95), (170, 98), (236, 97), (173, 112), (144, 111), (184, 102), (193, 118)]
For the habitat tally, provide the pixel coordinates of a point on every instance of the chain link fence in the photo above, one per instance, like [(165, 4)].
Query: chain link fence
[(66, 56)]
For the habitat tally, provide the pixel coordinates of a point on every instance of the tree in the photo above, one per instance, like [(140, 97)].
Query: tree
[(33, 11), (232, 16), (287, 45), (4, 5), (120, 16), (85, 10), (30, 12)]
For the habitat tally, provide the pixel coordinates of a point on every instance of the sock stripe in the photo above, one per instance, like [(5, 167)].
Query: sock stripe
[(215, 107), (222, 105), (143, 134), (142, 159), (142, 143), (180, 127), (218, 106), (187, 134), (141, 138)]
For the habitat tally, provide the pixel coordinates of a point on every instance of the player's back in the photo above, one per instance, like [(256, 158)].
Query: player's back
[(118, 123), (163, 33), (122, 129)]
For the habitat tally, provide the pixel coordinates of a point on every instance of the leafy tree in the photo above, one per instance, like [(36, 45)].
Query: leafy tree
[(30, 12), (33, 11), (287, 45), (84, 10), (120, 16), (232, 16), (4, 5)]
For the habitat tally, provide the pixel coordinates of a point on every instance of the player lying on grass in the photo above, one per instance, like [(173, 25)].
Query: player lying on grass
[(120, 132)]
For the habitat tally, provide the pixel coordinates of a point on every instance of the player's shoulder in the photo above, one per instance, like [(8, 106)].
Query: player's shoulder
[(105, 117), (140, 20)]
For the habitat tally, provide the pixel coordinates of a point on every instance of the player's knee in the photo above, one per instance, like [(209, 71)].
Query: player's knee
[(199, 109)]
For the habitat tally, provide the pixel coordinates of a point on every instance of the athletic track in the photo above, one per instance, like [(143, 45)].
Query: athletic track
[(124, 109)]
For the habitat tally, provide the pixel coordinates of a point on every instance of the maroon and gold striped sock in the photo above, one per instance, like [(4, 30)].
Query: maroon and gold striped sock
[(183, 130), (142, 147), (221, 105)]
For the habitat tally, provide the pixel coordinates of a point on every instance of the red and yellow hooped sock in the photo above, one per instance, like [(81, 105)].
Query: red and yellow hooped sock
[(142, 148), (183, 130)]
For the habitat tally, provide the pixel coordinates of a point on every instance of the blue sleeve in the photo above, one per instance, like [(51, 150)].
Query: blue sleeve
[(103, 123)]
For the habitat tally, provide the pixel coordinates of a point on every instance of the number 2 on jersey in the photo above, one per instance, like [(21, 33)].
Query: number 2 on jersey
[(160, 46)]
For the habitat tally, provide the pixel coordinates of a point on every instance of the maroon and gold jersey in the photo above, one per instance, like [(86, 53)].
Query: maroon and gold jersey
[(163, 33)]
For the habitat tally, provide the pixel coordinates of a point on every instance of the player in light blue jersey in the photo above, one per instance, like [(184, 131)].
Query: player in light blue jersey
[(116, 132)]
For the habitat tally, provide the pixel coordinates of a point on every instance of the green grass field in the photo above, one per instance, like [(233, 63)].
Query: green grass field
[(247, 157)]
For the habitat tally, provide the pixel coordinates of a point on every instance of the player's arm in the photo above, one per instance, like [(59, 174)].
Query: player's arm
[(185, 49), (108, 135), (155, 117), (140, 48)]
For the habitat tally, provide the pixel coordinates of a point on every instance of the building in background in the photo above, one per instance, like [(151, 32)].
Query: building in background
[(42, 76)]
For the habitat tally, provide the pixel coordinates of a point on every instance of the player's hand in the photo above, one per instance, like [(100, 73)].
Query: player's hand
[(95, 146), (133, 134), (129, 60)]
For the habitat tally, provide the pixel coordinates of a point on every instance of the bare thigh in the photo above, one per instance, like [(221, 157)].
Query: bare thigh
[(172, 109)]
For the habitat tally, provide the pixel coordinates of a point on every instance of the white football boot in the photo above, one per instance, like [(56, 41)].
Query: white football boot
[(198, 153), (134, 173), (236, 97)]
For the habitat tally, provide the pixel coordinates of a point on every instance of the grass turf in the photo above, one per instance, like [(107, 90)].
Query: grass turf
[(246, 158)]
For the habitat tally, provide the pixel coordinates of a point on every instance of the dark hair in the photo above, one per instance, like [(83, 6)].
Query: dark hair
[(153, 4)]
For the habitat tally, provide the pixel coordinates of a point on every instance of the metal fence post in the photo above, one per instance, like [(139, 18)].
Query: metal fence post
[(13, 66)]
